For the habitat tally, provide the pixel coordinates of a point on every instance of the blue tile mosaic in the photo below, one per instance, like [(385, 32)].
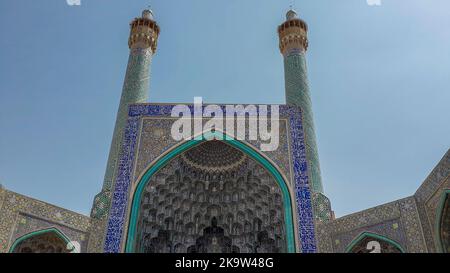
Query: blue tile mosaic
[(118, 213)]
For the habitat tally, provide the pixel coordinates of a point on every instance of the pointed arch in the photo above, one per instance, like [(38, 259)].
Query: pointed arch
[(442, 223), (244, 147), (365, 235), (53, 230)]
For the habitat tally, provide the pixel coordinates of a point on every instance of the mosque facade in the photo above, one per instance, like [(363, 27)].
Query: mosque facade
[(221, 194)]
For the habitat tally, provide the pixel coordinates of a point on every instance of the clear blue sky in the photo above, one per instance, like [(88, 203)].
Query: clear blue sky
[(380, 79)]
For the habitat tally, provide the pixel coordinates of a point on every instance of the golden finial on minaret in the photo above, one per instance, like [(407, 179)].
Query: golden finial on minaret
[(293, 33), (144, 31)]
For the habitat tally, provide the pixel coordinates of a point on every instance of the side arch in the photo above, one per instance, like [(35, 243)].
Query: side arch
[(53, 230), (443, 223), (247, 149), (366, 235)]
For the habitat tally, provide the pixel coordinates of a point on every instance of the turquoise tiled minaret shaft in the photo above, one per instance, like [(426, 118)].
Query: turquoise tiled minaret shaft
[(293, 46), (142, 43)]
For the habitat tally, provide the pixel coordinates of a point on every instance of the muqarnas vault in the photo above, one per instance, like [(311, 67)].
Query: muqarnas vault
[(222, 196)]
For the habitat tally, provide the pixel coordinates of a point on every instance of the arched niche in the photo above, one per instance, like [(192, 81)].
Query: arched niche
[(216, 206), (368, 242), (443, 223), (49, 240)]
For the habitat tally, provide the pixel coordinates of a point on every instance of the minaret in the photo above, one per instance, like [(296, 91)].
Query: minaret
[(293, 46), (142, 43), (293, 34)]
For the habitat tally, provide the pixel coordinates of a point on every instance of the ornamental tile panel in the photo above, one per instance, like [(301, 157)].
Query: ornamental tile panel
[(117, 218)]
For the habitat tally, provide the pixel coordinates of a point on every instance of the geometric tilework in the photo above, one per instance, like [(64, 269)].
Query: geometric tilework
[(443, 223), (412, 222), (135, 90), (322, 207), (21, 215), (155, 139), (397, 221), (364, 244), (101, 204), (119, 205), (176, 205), (297, 93)]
